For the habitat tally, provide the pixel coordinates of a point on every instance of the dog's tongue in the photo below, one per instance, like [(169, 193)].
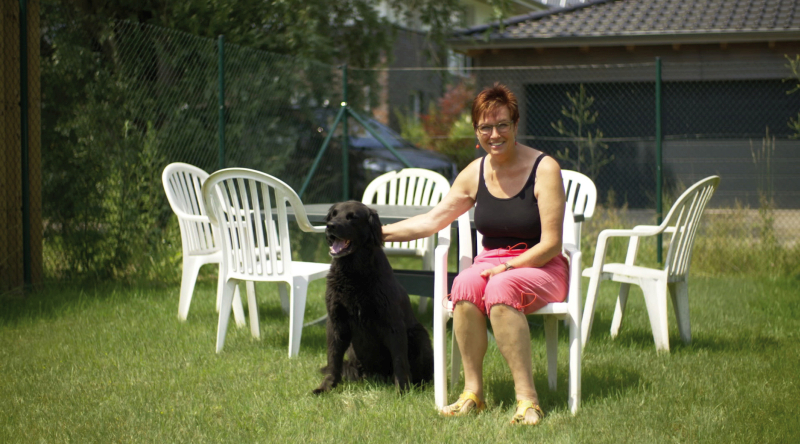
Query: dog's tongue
[(338, 245)]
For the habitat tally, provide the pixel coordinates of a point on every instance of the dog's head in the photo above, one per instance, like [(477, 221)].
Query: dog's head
[(352, 225)]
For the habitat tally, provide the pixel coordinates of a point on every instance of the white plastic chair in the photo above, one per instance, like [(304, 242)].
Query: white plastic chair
[(409, 186), (581, 194), (250, 208), (199, 240), (681, 222)]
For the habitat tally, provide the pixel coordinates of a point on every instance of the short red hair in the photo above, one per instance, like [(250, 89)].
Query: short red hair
[(492, 98)]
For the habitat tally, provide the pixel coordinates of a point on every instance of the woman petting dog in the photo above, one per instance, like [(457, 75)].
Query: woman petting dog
[(519, 204)]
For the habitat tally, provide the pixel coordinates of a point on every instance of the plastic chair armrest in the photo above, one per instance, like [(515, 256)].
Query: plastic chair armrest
[(313, 228), (443, 237), (302, 220), (465, 253), (192, 217), (570, 249)]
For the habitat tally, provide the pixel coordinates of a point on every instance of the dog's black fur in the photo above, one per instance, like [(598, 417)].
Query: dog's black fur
[(369, 313)]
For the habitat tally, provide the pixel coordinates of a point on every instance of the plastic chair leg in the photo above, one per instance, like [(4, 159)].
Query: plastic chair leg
[(619, 309), (427, 264), (297, 296), (283, 291), (439, 356), (220, 284), (455, 362), (680, 301), (574, 366), (252, 308), (423, 304), (228, 292), (188, 278), (238, 311), (588, 310), (655, 298), (551, 339)]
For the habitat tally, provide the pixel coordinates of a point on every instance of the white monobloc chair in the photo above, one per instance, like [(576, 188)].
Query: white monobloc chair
[(200, 242), (409, 186), (581, 198), (681, 223), (250, 208)]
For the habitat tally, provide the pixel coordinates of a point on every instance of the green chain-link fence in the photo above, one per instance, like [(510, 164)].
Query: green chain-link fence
[(20, 160), (115, 111)]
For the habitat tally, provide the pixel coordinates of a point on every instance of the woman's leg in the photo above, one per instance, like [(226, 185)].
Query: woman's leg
[(469, 324), (512, 333), (469, 327)]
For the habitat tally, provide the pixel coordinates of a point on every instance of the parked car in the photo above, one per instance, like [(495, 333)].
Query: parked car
[(367, 158)]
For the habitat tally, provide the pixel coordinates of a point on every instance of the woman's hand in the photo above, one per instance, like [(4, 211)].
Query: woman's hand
[(488, 273)]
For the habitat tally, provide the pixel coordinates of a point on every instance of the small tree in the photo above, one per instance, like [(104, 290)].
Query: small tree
[(589, 153), (794, 66), (762, 160)]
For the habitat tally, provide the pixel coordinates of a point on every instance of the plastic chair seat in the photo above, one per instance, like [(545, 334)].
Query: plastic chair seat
[(627, 273)]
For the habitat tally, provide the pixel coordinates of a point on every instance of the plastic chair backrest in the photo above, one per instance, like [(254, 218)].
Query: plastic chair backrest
[(581, 198), (684, 217), (409, 186), (182, 184), (250, 209)]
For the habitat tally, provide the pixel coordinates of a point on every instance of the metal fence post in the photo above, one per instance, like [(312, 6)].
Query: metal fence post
[(221, 63), (659, 210), (23, 98), (345, 148)]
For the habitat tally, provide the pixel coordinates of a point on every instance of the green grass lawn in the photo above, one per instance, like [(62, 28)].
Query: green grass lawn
[(112, 363)]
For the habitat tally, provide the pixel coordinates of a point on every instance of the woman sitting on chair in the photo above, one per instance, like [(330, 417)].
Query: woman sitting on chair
[(519, 204)]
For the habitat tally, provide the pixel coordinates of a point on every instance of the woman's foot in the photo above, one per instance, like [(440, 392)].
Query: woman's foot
[(467, 403), (527, 413)]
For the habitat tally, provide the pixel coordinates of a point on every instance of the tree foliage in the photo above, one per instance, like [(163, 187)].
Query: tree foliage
[(130, 85), (447, 127)]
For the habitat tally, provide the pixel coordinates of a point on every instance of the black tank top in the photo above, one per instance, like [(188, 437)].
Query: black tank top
[(504, 223)]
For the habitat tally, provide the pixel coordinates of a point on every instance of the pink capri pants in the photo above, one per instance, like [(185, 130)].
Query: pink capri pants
[(526, 289)]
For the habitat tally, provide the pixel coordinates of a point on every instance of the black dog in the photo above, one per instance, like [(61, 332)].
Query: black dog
[(369, 313)]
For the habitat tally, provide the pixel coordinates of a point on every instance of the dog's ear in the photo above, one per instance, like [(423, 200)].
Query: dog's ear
[(330, 212), (376, 228)]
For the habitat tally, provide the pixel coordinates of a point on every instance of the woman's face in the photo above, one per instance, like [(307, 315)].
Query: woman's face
[(496, 131)]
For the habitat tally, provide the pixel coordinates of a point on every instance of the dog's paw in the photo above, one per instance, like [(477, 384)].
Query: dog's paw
[(327, 385), (402, 383)]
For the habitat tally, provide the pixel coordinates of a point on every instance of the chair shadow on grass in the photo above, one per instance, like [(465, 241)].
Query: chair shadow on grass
[(600, 382), (642, 339), (604, 381), (274, 326)]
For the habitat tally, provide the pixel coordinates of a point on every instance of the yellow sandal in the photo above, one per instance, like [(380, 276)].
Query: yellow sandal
[(462, 399), (522, 408)]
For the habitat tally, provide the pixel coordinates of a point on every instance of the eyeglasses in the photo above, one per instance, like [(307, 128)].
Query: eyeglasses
[(502, 127)]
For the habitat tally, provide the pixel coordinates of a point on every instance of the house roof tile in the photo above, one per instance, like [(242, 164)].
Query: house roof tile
[(630, 18)]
